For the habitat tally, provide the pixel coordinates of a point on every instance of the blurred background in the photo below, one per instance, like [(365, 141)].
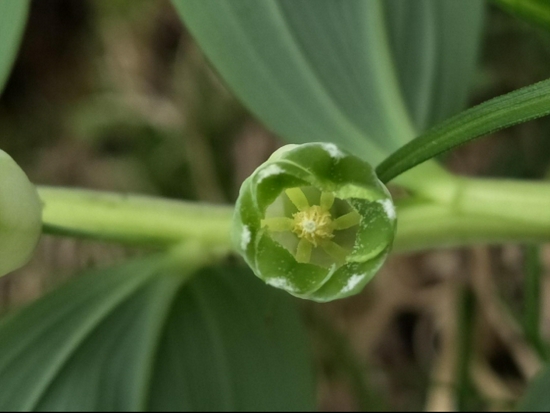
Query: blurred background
[(115, 95)]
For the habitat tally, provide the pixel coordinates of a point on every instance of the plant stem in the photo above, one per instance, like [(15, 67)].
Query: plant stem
[(136, 220), (431, 181), (525, 201), (482, 211), (471, 211)]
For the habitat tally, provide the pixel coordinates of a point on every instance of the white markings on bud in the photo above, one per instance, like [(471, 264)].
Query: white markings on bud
[(245, 238), (333, 151), (352, 283), (270, 170), (389, 208), (281, 283)]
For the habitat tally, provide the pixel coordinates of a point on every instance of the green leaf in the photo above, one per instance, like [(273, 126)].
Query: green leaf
[(40, 345), (435, 45), (323, 70), (535, 11), (312, 71), (537, 397), (13, 16), (234, 344), (507, 110), (137, 338)]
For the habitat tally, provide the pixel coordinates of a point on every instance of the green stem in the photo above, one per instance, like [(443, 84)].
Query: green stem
[(471, 211), (136, 220), (524, 201), (482, 211), (429, 180)]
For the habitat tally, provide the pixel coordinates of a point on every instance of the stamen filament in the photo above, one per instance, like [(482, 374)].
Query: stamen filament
[(327, 200), (303, 252), (278, 224), (335, 251), (347, 221), (298, 198)]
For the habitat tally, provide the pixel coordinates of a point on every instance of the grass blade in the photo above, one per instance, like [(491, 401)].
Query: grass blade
[(504, 111)]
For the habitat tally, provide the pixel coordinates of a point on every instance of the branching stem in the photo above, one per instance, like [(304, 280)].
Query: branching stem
[(468, 212)]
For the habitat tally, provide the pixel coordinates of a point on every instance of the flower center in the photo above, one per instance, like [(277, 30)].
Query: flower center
[(314, 224)]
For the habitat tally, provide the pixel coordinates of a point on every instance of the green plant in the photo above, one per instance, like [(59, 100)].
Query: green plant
[(187, 329)]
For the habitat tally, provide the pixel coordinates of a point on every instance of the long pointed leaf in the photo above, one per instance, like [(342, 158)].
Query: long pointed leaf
[(516, 107)]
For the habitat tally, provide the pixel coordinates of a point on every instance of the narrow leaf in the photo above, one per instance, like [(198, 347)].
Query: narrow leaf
[(516, 107)]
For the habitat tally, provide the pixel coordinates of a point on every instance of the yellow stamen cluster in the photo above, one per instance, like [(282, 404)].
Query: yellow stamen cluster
[(314, 224)]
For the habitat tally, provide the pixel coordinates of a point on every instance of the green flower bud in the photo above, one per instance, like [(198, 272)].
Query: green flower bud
[(20, 216), (315, 221)]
